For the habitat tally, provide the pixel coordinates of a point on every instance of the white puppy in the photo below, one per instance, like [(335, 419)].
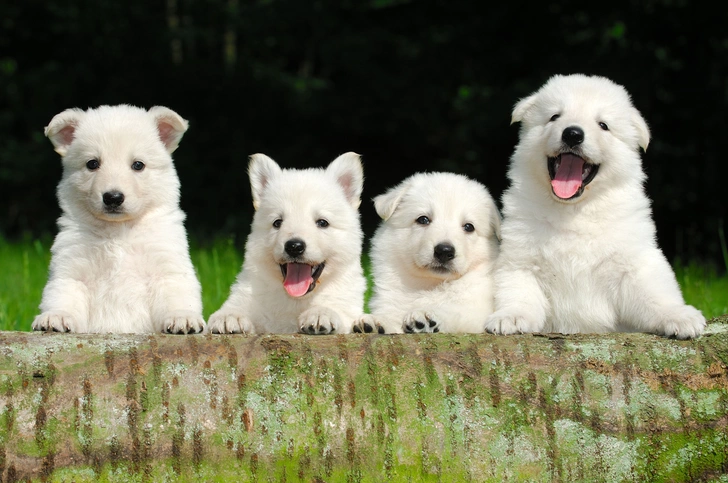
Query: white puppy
[(120, 261), (579, 251), (432, 256), (302, 270)]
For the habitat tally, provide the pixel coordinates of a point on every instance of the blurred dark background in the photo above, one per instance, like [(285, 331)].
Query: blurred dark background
[(409, 85)]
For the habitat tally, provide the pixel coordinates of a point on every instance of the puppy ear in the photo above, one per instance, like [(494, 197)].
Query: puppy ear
[(170, 125), (62, 129), (522, 107), (349, 173), (261, 170), (385, 204), (643, 131)]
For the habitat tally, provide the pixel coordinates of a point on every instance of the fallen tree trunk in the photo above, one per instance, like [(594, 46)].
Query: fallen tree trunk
[(362, 407)]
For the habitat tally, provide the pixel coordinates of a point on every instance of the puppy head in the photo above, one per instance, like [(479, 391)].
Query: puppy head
[(437, 225), (117, 162), (306, 225), (579, 135)]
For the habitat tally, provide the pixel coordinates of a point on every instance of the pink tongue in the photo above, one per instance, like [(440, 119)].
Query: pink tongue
[(298, 279), (568, 177)]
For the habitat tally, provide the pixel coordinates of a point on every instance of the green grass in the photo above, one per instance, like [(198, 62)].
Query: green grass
[(24, 269)]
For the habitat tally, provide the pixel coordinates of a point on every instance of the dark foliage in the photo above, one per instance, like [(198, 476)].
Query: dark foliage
[(409, 85)]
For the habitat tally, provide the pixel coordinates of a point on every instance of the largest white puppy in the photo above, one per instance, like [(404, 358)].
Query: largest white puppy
[(302, 270), (579, 251), (432, 256), (120, 260)]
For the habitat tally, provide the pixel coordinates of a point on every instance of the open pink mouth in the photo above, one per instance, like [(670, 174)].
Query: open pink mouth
[(570, 174), (300, 278)]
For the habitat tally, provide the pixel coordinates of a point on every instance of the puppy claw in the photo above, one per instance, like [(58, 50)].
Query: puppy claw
[(503, 323), (318, 321), (229, 323), (367, 324), (420, 322), (54, 322), (684, 322), (184, 323)]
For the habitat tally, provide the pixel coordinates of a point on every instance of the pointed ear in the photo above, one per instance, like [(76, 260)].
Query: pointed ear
[(170, 125), (643, 131), (386, 204), (62, 129), (348, 172), (261, 170), (522, 107)]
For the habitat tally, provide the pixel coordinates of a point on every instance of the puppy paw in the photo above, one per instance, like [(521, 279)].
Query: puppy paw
[(229, 323), (683, 322), (367, 324), (318, 321), (55, 322), (507, 323), (420, 322), (183, 322)]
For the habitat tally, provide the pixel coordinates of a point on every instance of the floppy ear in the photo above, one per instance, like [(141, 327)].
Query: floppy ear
[(170, 126), (522, 107), (261, 170), (385, 204), (62, 129), (643, 131), (349, 173)]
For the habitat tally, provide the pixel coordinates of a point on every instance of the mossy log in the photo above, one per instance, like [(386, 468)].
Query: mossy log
[(363, 407)]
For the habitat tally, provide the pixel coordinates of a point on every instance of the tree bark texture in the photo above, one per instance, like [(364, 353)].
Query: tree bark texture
[(364, 408)]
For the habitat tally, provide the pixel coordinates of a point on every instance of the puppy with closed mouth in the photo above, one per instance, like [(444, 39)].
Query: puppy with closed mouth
[(302, 270), (121, 260), (579, 250), (432, 256)]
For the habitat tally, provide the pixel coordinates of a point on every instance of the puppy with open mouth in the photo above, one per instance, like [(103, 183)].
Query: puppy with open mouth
[(302, 270), (579, 250)]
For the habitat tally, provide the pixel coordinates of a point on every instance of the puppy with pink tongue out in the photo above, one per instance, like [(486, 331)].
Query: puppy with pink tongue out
[(579, 250), (302, 270)]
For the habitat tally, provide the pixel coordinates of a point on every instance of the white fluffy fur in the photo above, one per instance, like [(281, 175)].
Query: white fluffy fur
[(413, 291), (258, 302), (126, 271), (589, 264)]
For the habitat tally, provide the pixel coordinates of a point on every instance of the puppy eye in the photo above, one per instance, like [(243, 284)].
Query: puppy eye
[(555, 117), (92, 164), (137, 166), (604, 126), (322, 223), (423, 220), (277, 223), (468, 227)]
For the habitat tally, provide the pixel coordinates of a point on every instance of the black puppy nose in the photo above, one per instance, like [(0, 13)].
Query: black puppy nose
[(295, 247), (113, 199), (444, 252), (572, 136)]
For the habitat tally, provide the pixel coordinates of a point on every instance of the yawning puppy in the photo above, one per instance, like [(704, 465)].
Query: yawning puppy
[(302, 270), (579, 251)]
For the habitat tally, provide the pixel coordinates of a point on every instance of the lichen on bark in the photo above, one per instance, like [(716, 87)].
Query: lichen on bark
[(545, 407)]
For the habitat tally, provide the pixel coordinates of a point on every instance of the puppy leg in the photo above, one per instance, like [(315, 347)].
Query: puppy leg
[(65, 307), (177, 305), (519, 302), (232, 317), (649, 300)]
